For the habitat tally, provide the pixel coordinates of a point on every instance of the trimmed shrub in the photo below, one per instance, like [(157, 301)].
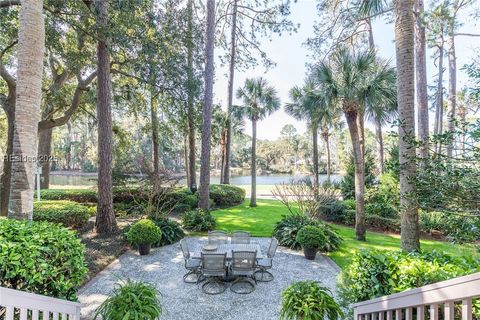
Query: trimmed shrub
[(382, 223), (376, 273), (349, 217), (225, 195), (131, 300), (349, 204), (286, 231), (68, 213), (42, 258), (77, 195), (310, 236), (198, 220), (144, 231), (308, 300), (171, 231)]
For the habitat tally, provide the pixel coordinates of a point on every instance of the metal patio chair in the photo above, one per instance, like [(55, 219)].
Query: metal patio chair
[(217, 237), (243, 266), (192, 265), (214, 269), (262, 274), (240, 237)]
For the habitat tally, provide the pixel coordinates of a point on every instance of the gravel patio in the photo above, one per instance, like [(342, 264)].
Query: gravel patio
[(165, 267)]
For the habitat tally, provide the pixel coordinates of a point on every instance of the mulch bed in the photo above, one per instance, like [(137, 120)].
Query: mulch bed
[(101, 250)]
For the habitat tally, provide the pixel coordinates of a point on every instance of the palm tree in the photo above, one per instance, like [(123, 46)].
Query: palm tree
[(404, 28), (259, 101), (380, 115), (349, 81), (31, 46), (329, 119), (303, 107)]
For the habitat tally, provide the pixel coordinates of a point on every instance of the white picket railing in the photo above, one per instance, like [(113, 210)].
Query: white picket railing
[(36, 307), (424, 302)]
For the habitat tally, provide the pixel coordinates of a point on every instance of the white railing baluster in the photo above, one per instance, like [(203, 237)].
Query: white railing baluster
[(467, 309), (420, 313), (398, 314), (9, 313), (55, 316), (449, 310), (434, 311), (34, 314), (23, 313), (389, 315), (381, 315), (408, 314), (46, 315)]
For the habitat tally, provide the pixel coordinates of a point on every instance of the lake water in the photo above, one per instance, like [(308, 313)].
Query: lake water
[(241, 180)]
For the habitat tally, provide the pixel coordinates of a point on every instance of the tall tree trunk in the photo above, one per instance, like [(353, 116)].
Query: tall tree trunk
[(192, 183), (223, 152), (358, 156), (68, 152), (326, 139), (105, 220), (421, 78), (9, 109), (31, 47), (380, 148), (316, 172), (439, 102), (185, 156), (228, 144), (207, 108), (253, 192), (155, 147), (452, 88), (404, 43), (44, 155)]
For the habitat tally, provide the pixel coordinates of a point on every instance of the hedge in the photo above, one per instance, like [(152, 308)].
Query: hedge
[(41, 257), (68, 213), (77, 195)]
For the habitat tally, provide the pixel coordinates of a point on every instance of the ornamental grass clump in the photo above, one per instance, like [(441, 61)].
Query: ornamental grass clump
[(131, 300), (307, 300)]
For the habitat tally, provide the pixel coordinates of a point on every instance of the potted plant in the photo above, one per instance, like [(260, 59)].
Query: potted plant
[(306, 300), (143, 233), (131, 300), (311, 238)]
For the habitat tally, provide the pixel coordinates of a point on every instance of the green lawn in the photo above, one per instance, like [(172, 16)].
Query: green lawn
[(261, 220)]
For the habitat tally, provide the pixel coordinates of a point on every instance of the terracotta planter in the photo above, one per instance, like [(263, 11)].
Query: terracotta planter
[(310, 253), (144, 249)]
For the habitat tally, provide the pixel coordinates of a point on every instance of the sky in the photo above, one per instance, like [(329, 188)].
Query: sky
[(291, 57)]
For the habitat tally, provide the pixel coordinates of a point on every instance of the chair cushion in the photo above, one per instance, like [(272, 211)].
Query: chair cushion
[(192, 263), (264, 262)]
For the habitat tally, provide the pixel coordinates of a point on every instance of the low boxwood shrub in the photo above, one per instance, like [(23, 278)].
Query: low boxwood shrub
[(310, 236), (68, 213), (77, 195), (198, 220), (143, 232), (383, 223), (375, 273), (308, 300), (131, 300), (42, 258), (286, 232), (171, 231), (225, 195)]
